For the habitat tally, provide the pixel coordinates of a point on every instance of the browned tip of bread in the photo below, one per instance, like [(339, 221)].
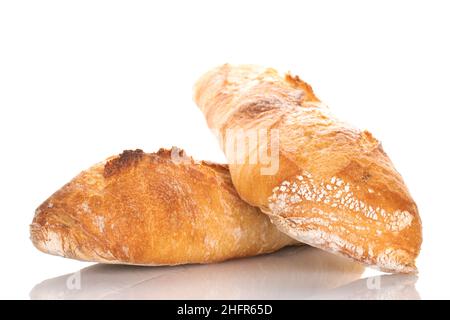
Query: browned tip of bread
[(129, 158), (167, 153), (179, 156), (126, 159), (175, 154), (296, 82), (37, 234)]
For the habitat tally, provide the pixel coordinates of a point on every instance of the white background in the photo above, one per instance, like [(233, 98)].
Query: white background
[(83, 80)]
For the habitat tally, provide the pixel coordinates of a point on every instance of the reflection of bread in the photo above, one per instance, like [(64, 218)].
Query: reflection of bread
[(381, 287), (291, 273), (335, 188), (148, 209)]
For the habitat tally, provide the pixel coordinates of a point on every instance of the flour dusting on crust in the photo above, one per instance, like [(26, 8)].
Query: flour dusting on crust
[(312, 212), (53, 244)]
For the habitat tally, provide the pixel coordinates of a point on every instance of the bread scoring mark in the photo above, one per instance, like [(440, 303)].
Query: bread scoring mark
[(126, 159), (256, 106), (335, 193)]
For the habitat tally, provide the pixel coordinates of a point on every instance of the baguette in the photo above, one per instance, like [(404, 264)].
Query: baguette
[(333, 187), (148, 209)]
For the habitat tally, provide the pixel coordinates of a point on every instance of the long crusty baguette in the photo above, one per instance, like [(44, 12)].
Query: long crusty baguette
[(149, 209), (334, 187)]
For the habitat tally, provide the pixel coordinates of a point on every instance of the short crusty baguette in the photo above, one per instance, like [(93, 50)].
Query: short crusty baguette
[(335, 187), (149, 209)]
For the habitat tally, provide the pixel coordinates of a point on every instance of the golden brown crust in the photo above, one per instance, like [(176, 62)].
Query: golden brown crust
[(335, 188), (122, 162), (149, 209)]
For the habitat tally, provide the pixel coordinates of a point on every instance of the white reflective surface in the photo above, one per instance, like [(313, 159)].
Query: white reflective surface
[(292, 273)]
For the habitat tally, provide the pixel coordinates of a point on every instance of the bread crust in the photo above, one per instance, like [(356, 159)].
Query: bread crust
[(147, 209), (335, 188)]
